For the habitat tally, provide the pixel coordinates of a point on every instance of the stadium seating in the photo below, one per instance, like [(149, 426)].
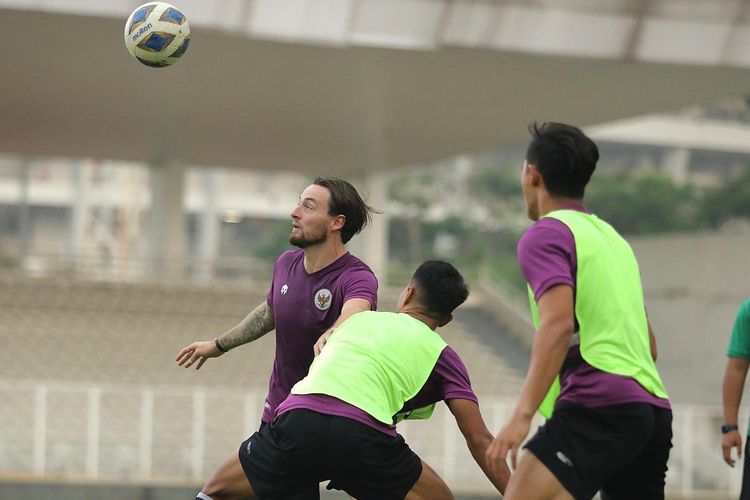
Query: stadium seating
[(104, 352), (124, 333)]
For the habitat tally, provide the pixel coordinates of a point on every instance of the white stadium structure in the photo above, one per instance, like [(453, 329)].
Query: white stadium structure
[(270, 93)]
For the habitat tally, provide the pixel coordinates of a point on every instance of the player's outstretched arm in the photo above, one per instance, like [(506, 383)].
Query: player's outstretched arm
[(350, 307), (478, 438), (548, 352), (256, 324)]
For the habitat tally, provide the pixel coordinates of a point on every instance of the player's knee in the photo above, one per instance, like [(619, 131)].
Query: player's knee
[(432, 491), (216, 489), (412, 495)]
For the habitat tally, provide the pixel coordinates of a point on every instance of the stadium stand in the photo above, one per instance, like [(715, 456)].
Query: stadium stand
[(91, 391), (97, 360), (67, 330)]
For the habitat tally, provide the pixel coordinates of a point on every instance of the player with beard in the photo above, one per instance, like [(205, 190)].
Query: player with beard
[(315, 287)]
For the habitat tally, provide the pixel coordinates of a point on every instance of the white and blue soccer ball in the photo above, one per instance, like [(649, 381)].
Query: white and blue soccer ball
[(157, 34)]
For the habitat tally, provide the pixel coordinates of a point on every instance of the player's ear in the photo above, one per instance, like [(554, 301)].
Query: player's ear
[(445, 320), (409, 294), (536, 175), (337, 224)]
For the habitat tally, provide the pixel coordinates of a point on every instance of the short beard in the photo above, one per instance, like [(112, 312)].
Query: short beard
[(302, 242)]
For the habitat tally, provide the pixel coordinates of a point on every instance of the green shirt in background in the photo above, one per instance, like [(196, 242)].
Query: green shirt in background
[(739, 344)]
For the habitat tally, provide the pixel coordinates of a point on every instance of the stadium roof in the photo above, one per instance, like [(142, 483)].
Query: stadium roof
[(360, 86)]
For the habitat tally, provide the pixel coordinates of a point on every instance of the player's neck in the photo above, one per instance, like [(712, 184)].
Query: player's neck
[(549, 203), (424, 318), (318, 257)]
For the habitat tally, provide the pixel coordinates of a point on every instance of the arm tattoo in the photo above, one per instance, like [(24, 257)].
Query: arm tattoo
[(254, 326)]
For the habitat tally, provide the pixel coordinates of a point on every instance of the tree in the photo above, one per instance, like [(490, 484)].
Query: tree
[(729, 201), (645, 204)]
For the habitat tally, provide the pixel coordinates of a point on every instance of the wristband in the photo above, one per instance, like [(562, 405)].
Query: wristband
[(221, 348), (725, 428)]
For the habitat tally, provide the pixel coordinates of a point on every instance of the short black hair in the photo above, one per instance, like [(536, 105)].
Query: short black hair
[(441, 288), (565, 156), (346, 201)]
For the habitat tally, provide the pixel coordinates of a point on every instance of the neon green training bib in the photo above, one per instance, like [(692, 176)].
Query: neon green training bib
[(613, 327), (375, 361)]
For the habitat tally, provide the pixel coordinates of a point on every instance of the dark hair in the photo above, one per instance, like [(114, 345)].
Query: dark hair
[(565, 157), (440, 286), (346, 201)]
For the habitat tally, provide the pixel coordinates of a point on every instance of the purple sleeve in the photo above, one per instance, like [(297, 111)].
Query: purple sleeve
[(454, 376), (269, 295), (449, 379), (547, 256), (361, 284)]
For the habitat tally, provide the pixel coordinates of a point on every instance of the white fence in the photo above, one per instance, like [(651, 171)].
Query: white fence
[(181, 434)]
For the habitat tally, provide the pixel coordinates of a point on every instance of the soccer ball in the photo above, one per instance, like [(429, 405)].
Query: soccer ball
[(157, 34)]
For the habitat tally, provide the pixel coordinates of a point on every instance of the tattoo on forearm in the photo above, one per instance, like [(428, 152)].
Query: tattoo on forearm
[(254, 326)]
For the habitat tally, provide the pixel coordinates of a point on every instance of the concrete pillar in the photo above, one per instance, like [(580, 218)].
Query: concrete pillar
[(374, 239), (676, 163), (167, 230), (129, 234), (79, 212), (24, 210), (208, 226)]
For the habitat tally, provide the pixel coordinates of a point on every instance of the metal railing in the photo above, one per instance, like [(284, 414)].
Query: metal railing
[(96, 432)]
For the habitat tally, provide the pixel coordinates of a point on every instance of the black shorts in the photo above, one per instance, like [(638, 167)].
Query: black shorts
[(288, 458), (620, 450), (745, 491)]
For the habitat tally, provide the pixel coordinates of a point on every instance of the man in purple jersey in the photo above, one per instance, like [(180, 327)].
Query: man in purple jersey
[(318, 436), (608, 432), (315, 287)]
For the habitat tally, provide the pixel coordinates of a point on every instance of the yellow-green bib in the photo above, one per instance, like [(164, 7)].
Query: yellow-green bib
[(375, 361), (613, 328)]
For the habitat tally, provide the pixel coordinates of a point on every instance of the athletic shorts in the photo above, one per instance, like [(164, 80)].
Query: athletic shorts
[(620, 450), (288, 458), (311, 492), (745, 491)]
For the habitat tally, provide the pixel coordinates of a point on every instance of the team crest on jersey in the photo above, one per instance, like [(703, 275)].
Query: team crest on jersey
[(284, 289), (323, 299)]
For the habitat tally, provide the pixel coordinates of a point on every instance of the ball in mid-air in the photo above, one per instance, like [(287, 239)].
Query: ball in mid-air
[(157, 34)]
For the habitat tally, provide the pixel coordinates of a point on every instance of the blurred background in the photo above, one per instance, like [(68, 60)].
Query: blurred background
[(142, 209)]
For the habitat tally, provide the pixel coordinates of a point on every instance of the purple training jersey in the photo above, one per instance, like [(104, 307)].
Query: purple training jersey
[(449, 379), (304, 306), (547, 256)]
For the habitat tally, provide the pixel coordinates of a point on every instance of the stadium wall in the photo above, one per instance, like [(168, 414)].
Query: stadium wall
[(693, 285)]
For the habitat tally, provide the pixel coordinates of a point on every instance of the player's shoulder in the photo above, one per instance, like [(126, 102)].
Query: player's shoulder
[(547, 225), (543, 232), (450, 356), (353, 266), (450, 367), (289, 256), (354, 262)]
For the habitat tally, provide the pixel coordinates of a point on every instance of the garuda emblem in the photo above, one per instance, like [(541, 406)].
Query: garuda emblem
[(323, 299)]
